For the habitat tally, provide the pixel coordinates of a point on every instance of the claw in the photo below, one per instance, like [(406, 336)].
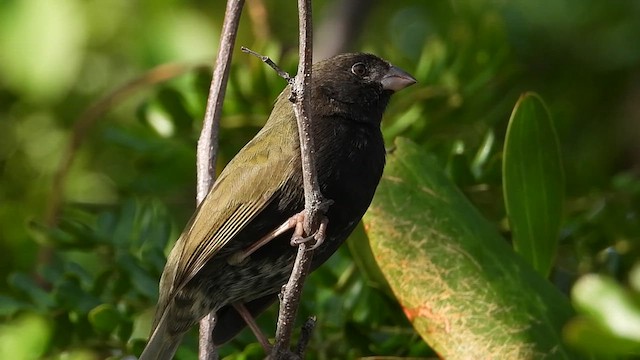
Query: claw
[(297, 238), (318, 237)]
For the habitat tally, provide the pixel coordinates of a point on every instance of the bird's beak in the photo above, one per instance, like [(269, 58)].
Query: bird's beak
[(397, 79)]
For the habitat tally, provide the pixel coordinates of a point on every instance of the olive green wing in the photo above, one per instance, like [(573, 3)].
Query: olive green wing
[(246, 186)]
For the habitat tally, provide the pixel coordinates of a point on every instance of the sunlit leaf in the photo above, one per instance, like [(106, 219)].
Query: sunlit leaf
[(24, 338), (610, 321), (460, 284), (482, 156), (360, 250)]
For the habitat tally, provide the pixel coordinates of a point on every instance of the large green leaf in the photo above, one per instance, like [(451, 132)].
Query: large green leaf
[(461, 285), (533, 182)]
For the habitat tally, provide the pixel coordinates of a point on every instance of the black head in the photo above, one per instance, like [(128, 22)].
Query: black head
[(357, 86)]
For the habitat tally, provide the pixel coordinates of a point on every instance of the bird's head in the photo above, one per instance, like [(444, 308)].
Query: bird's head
[(358, 84)]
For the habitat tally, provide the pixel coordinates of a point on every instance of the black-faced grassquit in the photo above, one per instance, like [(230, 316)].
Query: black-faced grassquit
[(261, 188)]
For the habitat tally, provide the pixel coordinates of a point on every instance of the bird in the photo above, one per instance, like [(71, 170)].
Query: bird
[(261, 189)]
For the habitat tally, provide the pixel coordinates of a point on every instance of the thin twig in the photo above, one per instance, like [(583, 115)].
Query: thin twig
[(305, 335), (208, 141), (290, 301), (267, 60)]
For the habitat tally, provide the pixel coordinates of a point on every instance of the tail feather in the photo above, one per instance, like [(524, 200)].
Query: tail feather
[(161, 345)]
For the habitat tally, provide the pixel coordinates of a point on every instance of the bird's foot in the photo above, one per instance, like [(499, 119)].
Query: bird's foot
[(295, 222), (318, 237)]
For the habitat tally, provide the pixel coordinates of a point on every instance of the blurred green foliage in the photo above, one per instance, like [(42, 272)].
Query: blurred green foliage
[(83, 286)]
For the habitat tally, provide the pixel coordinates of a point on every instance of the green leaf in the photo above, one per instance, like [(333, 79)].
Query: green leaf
[(140, 279), (483, 155), (360, 250), (174, 103), (104, 318), (460, 284), (10, 306), (25, 337), (589, 335), (611, 317), (37, 295), (124, 229), (70, 294), (458, 167), (533, 182)]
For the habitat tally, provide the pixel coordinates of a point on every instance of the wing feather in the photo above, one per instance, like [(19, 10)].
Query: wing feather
[(246, 186)]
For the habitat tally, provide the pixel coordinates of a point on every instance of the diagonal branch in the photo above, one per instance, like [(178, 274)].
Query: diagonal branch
[(208, 141)]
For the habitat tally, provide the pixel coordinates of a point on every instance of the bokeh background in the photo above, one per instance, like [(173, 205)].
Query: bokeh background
[(116, 90)]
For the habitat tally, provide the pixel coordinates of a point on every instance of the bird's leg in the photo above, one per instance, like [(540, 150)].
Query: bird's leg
[(299, 238), (295, 222), (251, 322), (291, 223)]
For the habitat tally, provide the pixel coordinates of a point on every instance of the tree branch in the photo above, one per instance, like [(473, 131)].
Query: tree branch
[(289, 303), (315, 203), (208, 141)]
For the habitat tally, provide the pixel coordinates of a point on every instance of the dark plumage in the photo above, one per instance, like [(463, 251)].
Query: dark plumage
[(262, 187)]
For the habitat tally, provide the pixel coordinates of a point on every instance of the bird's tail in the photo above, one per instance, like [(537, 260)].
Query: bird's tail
[(161, 345)]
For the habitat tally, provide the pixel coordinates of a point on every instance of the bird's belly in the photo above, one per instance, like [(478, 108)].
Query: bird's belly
[(262, 273)]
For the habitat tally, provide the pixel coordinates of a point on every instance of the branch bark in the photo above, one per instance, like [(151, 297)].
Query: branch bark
[(208, 142), (315, 203)]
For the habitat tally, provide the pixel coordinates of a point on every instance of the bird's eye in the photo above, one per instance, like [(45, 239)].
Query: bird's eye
[(359, 69)]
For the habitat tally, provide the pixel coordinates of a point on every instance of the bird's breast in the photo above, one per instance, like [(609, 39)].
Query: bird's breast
[(350, 161)]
